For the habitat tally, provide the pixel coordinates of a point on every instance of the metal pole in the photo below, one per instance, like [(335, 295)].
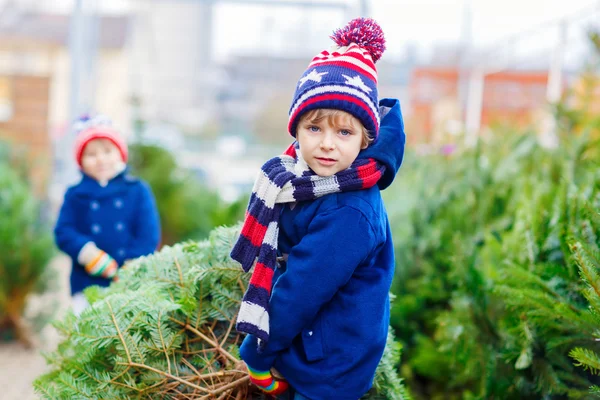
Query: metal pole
[(66, 165), (364, 8), (83, 44), (76, 50), (554, 88), (92, 44), (205, 67), (548, 137), (465, 57), (474, 106)]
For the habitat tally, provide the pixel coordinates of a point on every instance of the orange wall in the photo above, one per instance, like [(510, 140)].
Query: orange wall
[(509, 97), (28, 126)]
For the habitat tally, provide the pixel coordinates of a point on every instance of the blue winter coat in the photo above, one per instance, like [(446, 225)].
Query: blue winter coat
[(120, 218), (329, 308)]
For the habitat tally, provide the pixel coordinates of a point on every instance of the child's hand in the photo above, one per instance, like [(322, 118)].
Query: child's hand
[(97, 262), (102, 265), (266, 382)]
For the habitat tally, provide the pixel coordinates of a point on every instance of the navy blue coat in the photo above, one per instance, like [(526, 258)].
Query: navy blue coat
[(120, 218), (329, 308)]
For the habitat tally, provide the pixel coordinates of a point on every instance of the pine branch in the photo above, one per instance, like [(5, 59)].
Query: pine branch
[(587, 359), (588, 260)]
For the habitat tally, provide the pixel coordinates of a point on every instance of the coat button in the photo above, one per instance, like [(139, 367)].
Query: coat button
[(310, 333)]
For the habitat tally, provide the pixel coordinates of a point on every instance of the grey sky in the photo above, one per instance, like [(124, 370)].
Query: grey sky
[(424, 23)]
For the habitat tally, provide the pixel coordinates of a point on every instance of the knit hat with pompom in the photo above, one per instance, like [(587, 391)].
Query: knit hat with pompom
[(343, 78), (88, 128)]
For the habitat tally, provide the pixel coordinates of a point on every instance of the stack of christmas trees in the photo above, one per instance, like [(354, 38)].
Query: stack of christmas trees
[(497, 251), (166, 330)]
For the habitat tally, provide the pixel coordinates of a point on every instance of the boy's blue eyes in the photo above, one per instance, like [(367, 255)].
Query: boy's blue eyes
[(343, 132)]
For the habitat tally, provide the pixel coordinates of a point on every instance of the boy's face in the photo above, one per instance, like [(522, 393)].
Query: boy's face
[(327, 146), (100, 159)]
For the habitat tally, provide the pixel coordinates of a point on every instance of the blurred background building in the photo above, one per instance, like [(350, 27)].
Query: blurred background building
[(211, 80)]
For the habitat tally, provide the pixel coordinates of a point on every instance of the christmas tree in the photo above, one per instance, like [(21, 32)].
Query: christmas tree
[(25, 249)]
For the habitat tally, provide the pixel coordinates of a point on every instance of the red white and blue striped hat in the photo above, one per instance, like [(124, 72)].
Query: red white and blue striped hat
[(344, 78)]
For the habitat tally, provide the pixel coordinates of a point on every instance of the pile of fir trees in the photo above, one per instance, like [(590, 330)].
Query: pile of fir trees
[(26, 247), (498, 263), (166, 330), (497, 277)]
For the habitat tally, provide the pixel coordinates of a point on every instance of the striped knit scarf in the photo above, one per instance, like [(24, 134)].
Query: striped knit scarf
[(283, 179)]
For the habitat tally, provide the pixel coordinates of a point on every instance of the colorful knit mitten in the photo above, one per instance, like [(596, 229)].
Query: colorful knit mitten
[(267, 383), (97, 262)]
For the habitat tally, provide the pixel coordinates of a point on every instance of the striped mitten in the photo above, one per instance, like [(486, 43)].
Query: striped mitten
[(97, 262), (103, 265), (266, 382)]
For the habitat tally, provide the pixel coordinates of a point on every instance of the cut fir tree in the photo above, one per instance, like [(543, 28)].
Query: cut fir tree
[(166, 330), (25, 250)]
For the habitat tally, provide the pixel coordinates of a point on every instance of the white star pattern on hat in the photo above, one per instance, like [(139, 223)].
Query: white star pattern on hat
[(356, 81), (313, 76)]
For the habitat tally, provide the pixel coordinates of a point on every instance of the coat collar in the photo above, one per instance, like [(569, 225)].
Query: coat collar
[(90, 185), (388, 148)]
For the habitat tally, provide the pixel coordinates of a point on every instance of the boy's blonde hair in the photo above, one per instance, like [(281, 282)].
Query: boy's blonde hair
[(337, 118)]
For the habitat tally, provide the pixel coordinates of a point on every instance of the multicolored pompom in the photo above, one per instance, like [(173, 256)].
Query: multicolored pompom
[(365, 32)]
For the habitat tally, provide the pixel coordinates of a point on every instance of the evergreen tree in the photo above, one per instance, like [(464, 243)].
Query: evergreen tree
[(489, 299), (26, 247), (188, 209)]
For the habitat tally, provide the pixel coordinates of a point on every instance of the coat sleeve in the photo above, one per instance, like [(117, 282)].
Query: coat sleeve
[(66, 235), (146, 229), (336, 243)]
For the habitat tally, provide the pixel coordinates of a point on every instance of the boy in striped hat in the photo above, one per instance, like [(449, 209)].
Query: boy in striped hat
[(109, 216), (317, 233)]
